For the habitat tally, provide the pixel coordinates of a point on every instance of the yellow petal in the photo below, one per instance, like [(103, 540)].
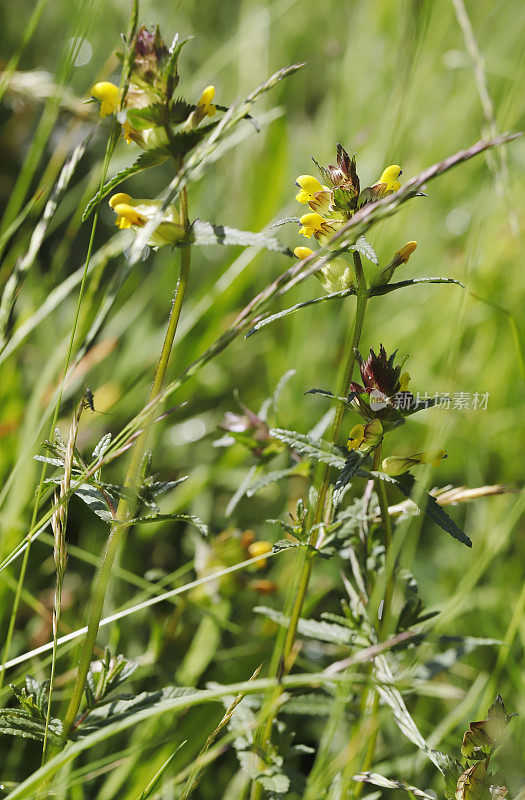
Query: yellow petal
[(120, 197), (356, 437), (390, 178), (108, 94), (130, 214), (309, 184)]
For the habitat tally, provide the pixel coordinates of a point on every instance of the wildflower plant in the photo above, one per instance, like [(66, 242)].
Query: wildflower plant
[(345, 465)]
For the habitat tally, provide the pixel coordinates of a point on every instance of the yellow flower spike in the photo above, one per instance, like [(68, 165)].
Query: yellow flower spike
[(108, 94), (120, 197), (128, 216), (308, 186), (404, 380), (205, 105), (302, 252), (405, 252), (356, 437), (312, 223), (390, 178), (258, 549)]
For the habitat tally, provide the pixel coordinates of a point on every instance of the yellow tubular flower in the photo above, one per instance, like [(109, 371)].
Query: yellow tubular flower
[(390, 178), (127, 216), (356, 437), (312, 224), (205, 106), (308, 186), (365, 437), (302, 252), (108, 94)]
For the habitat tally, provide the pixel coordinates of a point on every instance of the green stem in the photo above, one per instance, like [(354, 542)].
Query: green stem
[(119, 527), (321, 511), (322, 507), (387, 534)]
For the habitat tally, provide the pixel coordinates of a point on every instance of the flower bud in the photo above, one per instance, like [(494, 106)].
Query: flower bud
[(258, 549), (397, 465)]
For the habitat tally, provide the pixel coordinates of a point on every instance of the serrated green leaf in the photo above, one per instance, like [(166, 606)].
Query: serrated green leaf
[(365, 249), (317, 449), (311, 628), (174, 517), (121, 708), (149, 158), (101, 447), (205, 233), (284, 544), (389, 783), (292, 309)]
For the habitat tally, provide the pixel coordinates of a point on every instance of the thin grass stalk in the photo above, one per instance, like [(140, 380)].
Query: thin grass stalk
[(119, 527), (40, 487), (59, 525)]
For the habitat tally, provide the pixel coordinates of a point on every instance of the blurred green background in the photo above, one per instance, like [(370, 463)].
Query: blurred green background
[(393, 82)]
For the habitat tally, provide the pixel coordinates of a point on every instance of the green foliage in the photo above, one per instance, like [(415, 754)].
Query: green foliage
[(28, 721)]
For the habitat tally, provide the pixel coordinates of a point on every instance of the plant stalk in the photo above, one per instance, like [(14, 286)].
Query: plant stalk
[(321, 509), (120, 525)]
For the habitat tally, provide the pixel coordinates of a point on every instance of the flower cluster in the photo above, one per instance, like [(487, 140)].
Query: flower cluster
[(148, 111), (383, 400), (332, 204)]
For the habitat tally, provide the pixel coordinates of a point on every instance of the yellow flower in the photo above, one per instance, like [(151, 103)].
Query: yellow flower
[(402, 255), (365, 437), (313, 193), (108, 94), (308, 186), (390, 178), (133, 213), (206, 107), (396, 465), (356, 437), (258, 549), (312, 223)]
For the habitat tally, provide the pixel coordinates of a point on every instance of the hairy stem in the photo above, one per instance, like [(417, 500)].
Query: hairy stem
[(322, 507), (120, 525), (322, 510)]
